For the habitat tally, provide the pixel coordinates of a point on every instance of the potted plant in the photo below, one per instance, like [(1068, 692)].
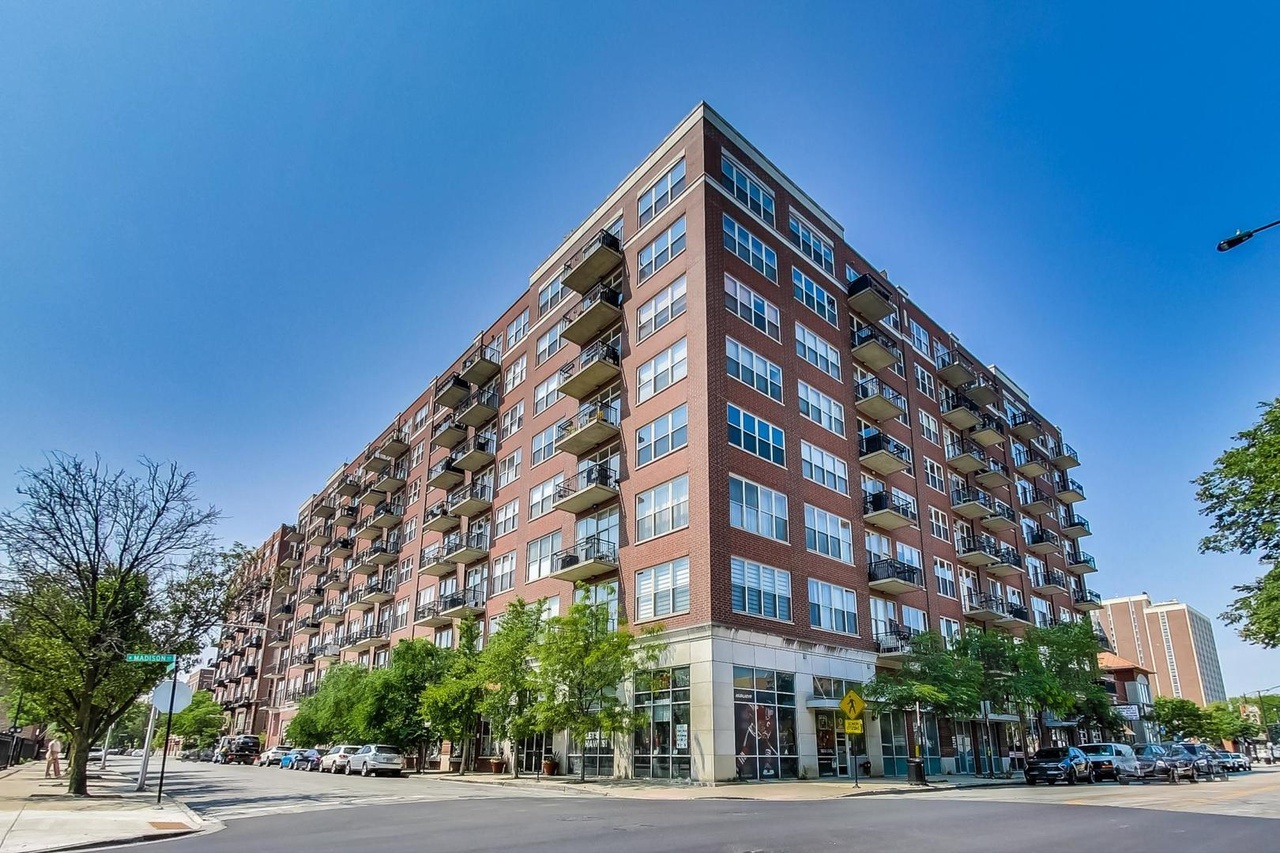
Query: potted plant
[(550, 764), (497, 764)]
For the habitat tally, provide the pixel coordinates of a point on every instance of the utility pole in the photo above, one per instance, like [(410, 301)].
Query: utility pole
[(146, 749)]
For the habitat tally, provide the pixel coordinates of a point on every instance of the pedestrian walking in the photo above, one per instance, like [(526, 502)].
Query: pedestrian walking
[(52, 756)]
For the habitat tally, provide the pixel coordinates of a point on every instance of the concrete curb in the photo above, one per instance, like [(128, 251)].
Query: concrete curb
[(512, 783), (118, 842)]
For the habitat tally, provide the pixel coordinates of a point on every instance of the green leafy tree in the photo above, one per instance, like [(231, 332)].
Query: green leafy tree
[(1070, 680), (451, 707), (1255, 614), (506, 673), (582, 662), (1179, 718), (1225, 723), (1011, 674), (327, 716), (96, 563), (131, 728), (200, 723), (931, 676), (388, 708)]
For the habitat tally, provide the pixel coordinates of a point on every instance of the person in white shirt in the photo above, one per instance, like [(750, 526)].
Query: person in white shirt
[(52, 756)]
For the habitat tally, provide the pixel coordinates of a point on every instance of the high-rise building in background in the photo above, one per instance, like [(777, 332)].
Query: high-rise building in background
[(715, 415), (1172, 639), (200, 678)]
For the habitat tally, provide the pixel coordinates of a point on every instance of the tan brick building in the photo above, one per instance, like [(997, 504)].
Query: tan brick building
[(1173, 640)]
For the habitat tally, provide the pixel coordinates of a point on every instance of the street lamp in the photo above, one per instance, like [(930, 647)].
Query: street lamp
[(1241, 236)]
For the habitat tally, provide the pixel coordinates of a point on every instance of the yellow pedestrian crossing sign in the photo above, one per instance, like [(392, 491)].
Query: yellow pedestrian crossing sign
[(852, 705)]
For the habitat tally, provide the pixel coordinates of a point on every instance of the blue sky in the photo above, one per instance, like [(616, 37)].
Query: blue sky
[(217, 220)]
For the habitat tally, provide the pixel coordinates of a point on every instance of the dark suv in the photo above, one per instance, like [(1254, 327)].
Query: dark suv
[(1204, 759), (1059, 764), (1157, 762)]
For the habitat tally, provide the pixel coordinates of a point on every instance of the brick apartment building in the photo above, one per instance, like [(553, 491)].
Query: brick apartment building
[(718, 416), (1172, 639), (201, 678)]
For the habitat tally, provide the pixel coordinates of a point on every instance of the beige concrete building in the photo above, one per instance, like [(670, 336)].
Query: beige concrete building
[(1172, 639)]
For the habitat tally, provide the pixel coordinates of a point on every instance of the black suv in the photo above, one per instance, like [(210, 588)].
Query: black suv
[(1059, 764)]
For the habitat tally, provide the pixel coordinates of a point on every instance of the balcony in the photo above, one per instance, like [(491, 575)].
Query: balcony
[(315, 566), (1015, 615), (590, 487), (248, 672), (470, 500), (321, 509), (392, 478), (447, 434), (294, 535), (280, 640), (387, 515), (361, 566), (874, 349), (372, 496), (1008, 562), (893, 645), (464, 549), (982, 391), (1026, 426), (600, 309), (1064, 458), (340, 548), (883, 454), (320, 534), (288, 582), (367, 530), (313, 594), (894, 577), (292, 558), (368, 638), (1086, 599), (1030, 464), (971, 503), (445, 474), (328, 653), (877, 401), (347, 487), (306, 627), (1081, 563), (331, 613), (984, 607), (346, 515), (1035, 502), (428, 616), (377, 591), (1043, 542), (435, 563), (1076, 526), (587, 558), (464, 604), (597, 366), (481, 364), (959, 411), (452, 390), (1069, 491), (478, 409), (439, 519), (476, 453), (887, 512), (978, 551), (336, 580), (1104, 642), (996, 475), (1050, 582), (871, 297), (955, 368), (592, 426), (966, 457), (988, 432), (374, 464), (597, 259)]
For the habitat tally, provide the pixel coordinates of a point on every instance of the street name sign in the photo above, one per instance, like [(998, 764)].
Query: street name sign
[(148, 658)]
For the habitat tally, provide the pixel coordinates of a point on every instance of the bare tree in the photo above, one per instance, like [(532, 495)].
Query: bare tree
[(95, 563)]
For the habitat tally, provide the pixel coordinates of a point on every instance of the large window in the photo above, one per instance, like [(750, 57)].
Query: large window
[(828, 534), (512, 420), (755, 370), (755, 195), (764, 711), (760, 590), (665, 369), (662, 744), (823, 468), (541, 496), (664, 247), (550, 295), (814, 245), (815, 350), (517, 329), (833, 608), (509, 468), (504, 572), (538, 562), (544, 445), (662, 509), (666, 305), (515, 373), (821, 409), (750, 249), (546, 393), (756, 436), (658, 196), (757, 509), (663, 589), (814, 297), (662, 435), (752, 307), (550, 342), (507, 518), (945, 574)]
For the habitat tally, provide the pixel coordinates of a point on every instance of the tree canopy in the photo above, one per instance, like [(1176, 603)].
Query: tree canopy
[(198, 724), (451, 706), (326, 717), (506, 671)]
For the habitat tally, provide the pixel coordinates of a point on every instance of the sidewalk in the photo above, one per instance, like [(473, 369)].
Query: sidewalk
[(641, 789), (36, 814)]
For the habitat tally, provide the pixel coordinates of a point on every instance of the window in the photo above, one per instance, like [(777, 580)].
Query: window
[(945, 574), (546, 393), (920, 338), (550, 295), (742, 243), (415, 491), (756, 436), (664, 370), (663, 589), (757, 509), (828, 534), (402, 614), (504, 572), (659, 253), (824, 468), (515, 373), (813, 244), (665, 306), (509, 468), (541, 495), (550, 342), (658, 196), (662, 509), (544, 445), (821, 409), (411, 529), (662, 435), (755, 370), (933, 476), (909, 554), (512, 420), (833, 608), (444, 638), (939, 524), (929, 428), (749, 191), (1042, 610), (517, 329), (817, 352), (760, 590), (507, 518), (419, 453), (924, 383), (950, 631), (814, 297), (538, 562), (909, 501), (752, 307)]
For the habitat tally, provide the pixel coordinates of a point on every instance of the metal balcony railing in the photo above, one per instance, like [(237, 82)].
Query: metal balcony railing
[(595, 475), (586, 550), (886, 568), (873, 387), (596, 352), (588, 414), (878, 441), (870, 334), (878, 501)]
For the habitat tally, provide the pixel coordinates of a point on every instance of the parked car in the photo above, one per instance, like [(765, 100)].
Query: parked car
[(1112, 761), (237, 749), (335, 760), (1059, 764), (1157, 762), (1229, 762), (1243, 761), (307, 759), (138, 753), (286, 760), (95, 754), (272, 756), (1205, 759), (206, 754), (376, 759)]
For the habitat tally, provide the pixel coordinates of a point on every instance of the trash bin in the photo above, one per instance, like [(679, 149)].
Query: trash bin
[(915, 772)]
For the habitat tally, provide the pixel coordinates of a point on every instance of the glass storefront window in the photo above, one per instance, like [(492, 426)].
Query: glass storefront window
[(764, 709), (662, 743), (893, 742), (598, 756)]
